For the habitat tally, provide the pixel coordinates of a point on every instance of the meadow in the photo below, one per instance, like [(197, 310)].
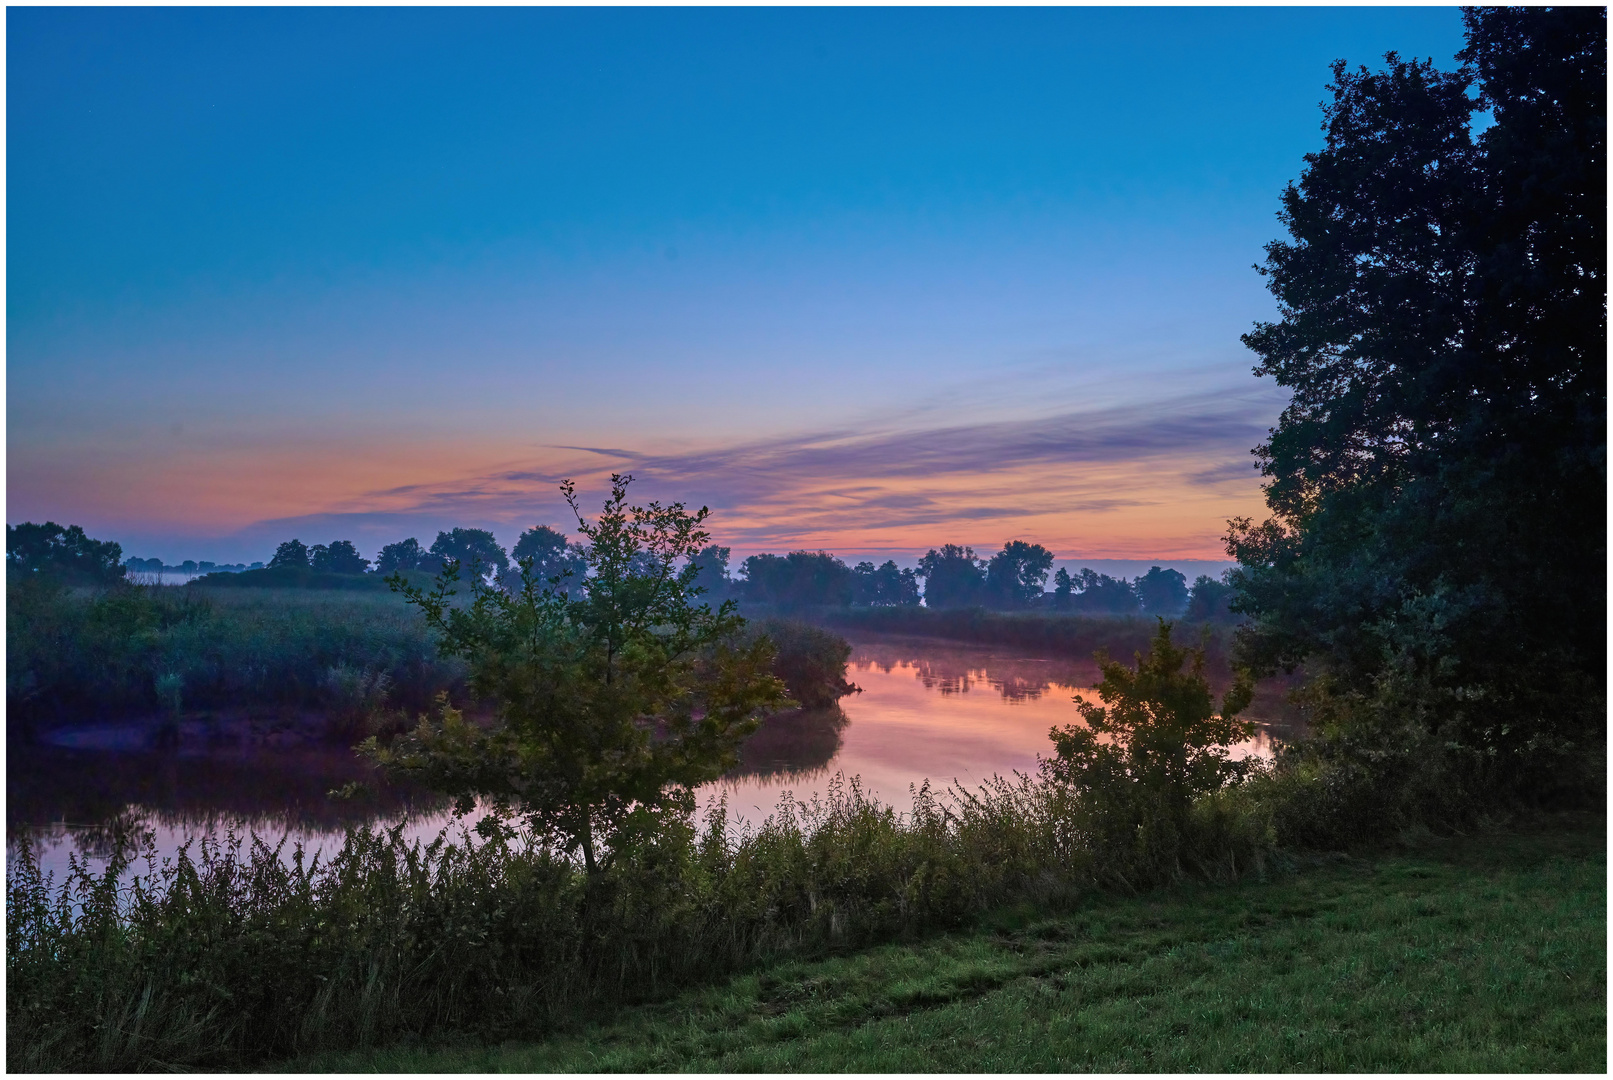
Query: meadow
[(1484, 952)]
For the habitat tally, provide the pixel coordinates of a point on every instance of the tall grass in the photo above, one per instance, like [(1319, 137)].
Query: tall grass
[(236, 953), (140, 650), (1074, 635)]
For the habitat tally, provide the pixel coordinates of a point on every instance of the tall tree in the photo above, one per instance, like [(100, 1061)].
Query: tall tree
[(1016, 575), (711, 571), (405, 555), (476, 551), (551, 555), (63, 552), (799, 579), (290, 553), (1102, 594), (338, 557), (953, 577), (1161, 592), (1437, 482), (886, 585), (612, 702)]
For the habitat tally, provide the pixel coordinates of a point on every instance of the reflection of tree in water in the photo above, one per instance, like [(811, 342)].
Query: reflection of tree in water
[(88, 796), (948, 668), (953, 670), (796, 744)]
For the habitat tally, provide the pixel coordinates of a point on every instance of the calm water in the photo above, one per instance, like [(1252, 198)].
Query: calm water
[(927, 710)]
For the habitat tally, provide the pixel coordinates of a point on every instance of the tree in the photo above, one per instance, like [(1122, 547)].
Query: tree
[(886, 585), (1063, 588), (1210, 599), (61, 552), (612, 701), (290, 553), (1102, 594), (799, 579), (405, 555), (1437, 483), (953, 577), (1016, 575), (550, 554), (340, 557), (711, 571), (475, 550), (1161, 592)]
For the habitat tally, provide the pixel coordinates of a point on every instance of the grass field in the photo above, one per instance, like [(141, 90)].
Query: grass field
[(1482, 953)]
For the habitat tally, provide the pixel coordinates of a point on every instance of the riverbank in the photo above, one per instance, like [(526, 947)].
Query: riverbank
[(1478, 953)]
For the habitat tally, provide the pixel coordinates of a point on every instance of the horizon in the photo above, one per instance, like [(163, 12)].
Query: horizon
[(863, 281)]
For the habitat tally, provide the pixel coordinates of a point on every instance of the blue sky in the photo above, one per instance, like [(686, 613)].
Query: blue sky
[(866, 279)]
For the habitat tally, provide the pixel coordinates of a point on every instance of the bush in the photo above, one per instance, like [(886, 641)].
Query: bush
[(810, 660), (1147, 776)]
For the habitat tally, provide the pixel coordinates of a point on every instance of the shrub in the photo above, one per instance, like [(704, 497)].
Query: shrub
[(1146, 774)]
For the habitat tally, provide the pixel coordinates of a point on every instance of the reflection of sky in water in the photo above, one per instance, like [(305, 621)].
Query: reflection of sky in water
[(928, 710), (942, 712)]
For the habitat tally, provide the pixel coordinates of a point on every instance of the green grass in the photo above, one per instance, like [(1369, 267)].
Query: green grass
[(1485, 953)]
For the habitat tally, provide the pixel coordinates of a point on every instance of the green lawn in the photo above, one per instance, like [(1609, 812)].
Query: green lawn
[(1486, 953)]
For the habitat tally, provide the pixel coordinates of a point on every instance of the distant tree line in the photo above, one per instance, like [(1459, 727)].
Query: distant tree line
[(951, 577), (1014, 579)]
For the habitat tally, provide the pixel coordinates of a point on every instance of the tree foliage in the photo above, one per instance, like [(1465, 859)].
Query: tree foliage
[(338, 557), (405, 555), (1156, 744), (549, 552), (953, 577), (885, 585), (1161, 592), (62, 552), (477, 552), (289, 553), (1437, 481), (1016, 575), (799, 579), (614, 696)]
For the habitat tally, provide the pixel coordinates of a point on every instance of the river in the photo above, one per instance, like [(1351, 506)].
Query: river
[(927, 709)]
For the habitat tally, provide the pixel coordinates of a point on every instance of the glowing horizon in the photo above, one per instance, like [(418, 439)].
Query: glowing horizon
[(861, 280)]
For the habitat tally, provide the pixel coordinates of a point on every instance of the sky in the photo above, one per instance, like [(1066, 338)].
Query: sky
[(863, 280)]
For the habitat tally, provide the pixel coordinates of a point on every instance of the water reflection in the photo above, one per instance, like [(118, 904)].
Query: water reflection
[(948, 668), (795, 744), (929, 710)]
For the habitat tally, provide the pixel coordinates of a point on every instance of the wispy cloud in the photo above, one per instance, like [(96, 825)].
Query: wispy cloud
[(1166, 474)]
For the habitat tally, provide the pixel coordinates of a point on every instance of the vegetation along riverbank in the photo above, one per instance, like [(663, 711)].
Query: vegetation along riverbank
[(1477, 953), (1419, 883)]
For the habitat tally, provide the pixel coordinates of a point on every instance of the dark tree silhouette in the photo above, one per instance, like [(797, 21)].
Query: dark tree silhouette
[(290, 553), (339, 557), (550, 554), (711, 572), (1016, 575), (1161, 592), (476, 551), (1437, 483), (62, 552), (1209, 599), (1100, 594), (953, 577), (405, 555), (799, 579), (886, 585)]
